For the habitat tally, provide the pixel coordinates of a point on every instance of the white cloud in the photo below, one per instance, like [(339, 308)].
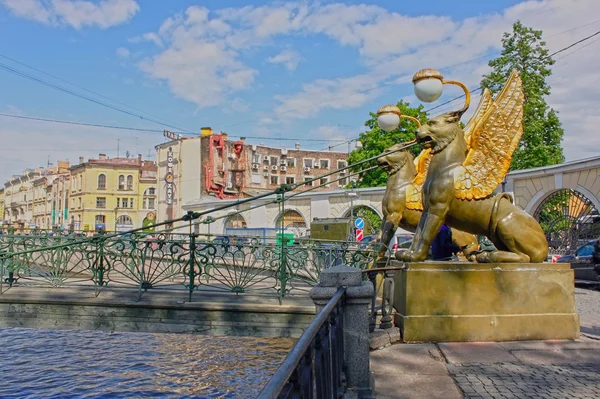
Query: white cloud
[(75, 13), (198, 64), (288, 58), (345, 93), (337, 136), (123, 52), (202, 54)]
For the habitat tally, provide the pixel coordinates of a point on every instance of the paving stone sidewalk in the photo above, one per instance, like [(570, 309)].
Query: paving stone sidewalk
[(528, 369)]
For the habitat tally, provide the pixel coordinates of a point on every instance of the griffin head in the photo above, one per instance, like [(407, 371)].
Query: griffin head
[(438, 132), (391, 163)]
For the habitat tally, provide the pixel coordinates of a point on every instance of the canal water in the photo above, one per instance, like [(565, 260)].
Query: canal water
[(95, 364)]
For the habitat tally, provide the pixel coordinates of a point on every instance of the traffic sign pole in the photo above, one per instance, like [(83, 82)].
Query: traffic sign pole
[(359, 235)]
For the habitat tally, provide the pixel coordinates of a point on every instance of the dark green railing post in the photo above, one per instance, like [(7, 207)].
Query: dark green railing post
[(100, 264), (192, 265), (11, 263), (3, 258)]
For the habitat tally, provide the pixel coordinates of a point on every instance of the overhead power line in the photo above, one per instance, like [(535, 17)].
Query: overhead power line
[(301, 139), (548, 56), (82, 96), (170, 124)]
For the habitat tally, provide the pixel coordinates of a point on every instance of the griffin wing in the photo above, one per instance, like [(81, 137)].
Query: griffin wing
[(414, 198), (485, 102), (493, 141), (413, 191)]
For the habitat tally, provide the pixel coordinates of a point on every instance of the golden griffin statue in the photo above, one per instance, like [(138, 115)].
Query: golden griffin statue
[(464, 168), (401, 205)]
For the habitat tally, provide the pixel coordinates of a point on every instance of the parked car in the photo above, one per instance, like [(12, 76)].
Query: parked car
[(582, 263), (400, 241)]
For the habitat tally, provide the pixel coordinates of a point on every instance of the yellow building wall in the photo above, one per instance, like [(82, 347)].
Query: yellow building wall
[(88, 191)]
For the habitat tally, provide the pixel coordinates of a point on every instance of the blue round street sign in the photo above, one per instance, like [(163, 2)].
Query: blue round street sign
[(359, 223)]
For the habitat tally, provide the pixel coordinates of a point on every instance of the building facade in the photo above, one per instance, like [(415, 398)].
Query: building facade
[(18, 199), (1, 206), (111, 194), (208, 167), (44, 207)]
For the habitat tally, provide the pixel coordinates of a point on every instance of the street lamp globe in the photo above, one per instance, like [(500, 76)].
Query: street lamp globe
[(428, 85), (388, 117)]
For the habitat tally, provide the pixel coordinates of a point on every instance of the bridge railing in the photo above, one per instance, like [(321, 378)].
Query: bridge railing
[(315, 365), (191, 262), (154, 256), (332, 356)]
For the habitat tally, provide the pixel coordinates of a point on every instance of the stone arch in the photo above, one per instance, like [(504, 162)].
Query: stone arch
[(293, 221), (569, 218), (357, 212), (534, 203), (234, 221)]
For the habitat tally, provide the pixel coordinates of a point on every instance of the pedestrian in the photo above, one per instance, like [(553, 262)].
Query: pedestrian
[(442, 247)]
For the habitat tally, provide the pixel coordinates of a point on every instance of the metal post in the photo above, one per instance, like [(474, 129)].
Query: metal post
[(355, 318), (192, 265)]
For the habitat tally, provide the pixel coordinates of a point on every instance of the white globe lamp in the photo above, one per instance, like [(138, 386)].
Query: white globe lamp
[(428, 85), (388, 117)]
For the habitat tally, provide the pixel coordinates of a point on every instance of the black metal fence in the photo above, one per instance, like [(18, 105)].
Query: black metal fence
[(315, 366)]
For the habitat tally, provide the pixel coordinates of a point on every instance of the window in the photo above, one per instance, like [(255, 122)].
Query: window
[(101, 181), (100, 219), (324, 163), (129, 182), (124, 220), (342, 182), (100, 202), (323, 180), (255, 158), (308, 163), (291, 162), (309, 184), (274, 179), (80, 185), (290, 180), (341, 163), (131, 202), (273, 160), (118, 202), (79, 203), (121, 182), (149, 201), (73, 203)]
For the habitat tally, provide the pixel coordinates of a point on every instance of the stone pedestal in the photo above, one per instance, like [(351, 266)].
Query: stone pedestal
[(461, 301)]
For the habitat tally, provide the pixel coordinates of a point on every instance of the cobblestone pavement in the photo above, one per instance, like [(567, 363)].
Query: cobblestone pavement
[(561, 372), (587, 303), (514, 380)]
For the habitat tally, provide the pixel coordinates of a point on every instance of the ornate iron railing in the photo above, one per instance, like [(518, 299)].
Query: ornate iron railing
[(192, 262), (168, 261), (315, 366), (386, 288)]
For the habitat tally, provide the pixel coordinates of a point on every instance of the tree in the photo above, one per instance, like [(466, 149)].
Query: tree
[(524, 50), (376, 140)]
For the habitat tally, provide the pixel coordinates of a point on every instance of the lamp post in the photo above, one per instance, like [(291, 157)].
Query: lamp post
[(428, 88)]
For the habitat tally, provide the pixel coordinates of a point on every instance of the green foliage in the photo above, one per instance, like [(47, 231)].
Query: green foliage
[(376, 140), (524, 50)]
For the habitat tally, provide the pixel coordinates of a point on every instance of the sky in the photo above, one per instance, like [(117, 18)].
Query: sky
[(276, 72)]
